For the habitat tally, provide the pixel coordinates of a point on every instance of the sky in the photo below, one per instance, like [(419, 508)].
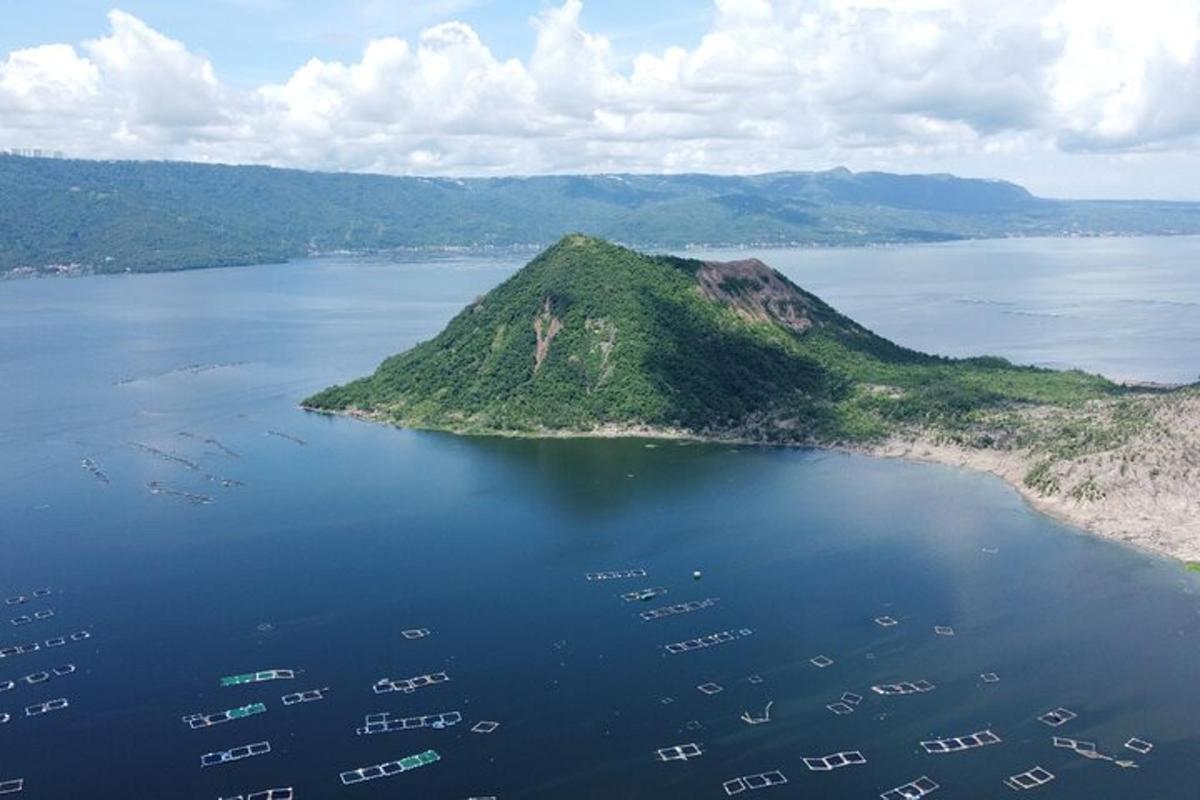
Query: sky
[(1071, 98)]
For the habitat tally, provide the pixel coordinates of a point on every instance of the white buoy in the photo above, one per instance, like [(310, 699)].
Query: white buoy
[(696, 575)]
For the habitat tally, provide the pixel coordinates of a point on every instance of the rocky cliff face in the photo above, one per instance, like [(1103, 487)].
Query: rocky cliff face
[(756, 292)]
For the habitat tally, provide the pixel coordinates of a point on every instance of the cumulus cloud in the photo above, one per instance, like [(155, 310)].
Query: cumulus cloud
[(152, 80), (771, 85), (1128, 75)]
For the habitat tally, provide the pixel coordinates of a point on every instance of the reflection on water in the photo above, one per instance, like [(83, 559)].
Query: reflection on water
[(597, 482), (318, 557)]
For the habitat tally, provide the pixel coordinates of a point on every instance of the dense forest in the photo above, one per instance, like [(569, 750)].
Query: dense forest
[(114, 216), (590, 334)]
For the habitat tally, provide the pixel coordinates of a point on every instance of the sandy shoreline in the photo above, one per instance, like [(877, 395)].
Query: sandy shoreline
[(1159, 525), (1157, 515)]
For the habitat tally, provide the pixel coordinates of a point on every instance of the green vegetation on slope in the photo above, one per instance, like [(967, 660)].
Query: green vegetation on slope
[(591, 334), (112, 216)]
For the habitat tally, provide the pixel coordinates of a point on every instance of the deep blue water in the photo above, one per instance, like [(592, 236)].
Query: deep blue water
[(332, 547)]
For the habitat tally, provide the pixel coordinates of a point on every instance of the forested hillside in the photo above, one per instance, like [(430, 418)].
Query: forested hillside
[(590, 335), (111, 216)]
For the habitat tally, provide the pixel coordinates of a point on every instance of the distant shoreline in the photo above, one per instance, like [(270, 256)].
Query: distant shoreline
[(77, 270)]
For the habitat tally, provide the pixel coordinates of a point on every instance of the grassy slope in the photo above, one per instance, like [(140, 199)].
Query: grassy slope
[(677, 359)]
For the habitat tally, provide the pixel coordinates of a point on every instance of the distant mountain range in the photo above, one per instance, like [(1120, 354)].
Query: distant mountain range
[(114, 216)]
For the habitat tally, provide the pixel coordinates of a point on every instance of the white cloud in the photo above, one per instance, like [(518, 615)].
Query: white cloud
[(1129, 73), (901, 84), (400, 108), (156, 80), (46, 79), (571, 68)]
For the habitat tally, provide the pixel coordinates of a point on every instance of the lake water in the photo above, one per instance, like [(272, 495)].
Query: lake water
[(342, 534), (1127, 308)]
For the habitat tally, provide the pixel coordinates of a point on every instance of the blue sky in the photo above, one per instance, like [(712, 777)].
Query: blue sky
[(1072, 98), (261, 41)]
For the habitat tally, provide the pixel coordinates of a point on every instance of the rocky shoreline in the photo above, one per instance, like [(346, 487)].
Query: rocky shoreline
[(1162, 523)]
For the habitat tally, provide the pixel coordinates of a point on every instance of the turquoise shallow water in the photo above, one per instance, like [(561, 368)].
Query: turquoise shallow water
[(331, 548)]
